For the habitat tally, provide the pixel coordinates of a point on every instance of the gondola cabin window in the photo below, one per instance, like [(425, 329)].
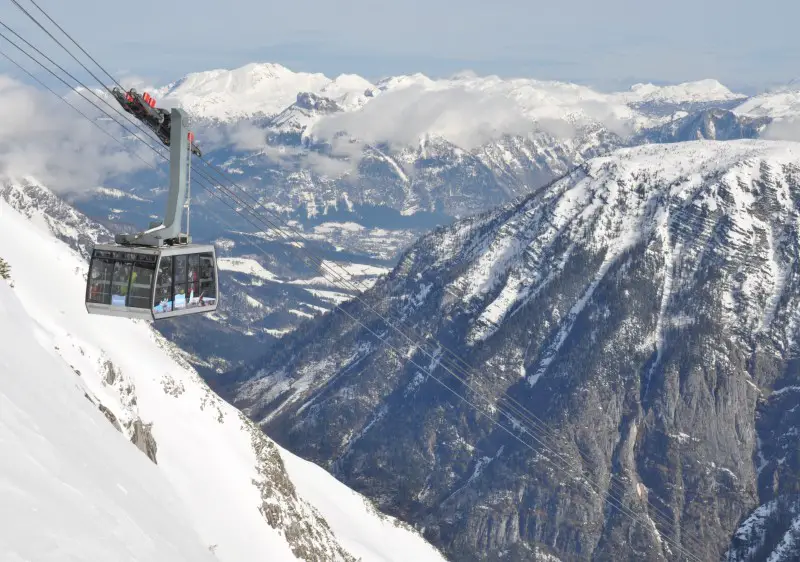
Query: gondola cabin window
[(121, 279), (185, 282)]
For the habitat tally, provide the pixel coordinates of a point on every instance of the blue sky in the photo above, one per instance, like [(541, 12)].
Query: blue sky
[(608, 43)]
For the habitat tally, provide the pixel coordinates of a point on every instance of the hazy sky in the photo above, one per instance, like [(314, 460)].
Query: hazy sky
[(607, 43)]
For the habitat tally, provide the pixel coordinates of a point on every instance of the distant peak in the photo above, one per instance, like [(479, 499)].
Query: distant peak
[(313, 102), (708, 89)]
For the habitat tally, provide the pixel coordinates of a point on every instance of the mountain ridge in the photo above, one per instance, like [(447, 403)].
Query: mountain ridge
[(226, 86), (644, 306)]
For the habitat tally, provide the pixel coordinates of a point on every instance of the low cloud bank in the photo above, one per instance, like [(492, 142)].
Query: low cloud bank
[(401, 117), (43, 138), (784, 129), (469, 117)]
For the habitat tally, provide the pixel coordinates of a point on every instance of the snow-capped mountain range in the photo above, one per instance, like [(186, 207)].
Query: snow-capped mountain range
[(399, 141), (266, 89), (416, 152), (258, 90), (115, 449)]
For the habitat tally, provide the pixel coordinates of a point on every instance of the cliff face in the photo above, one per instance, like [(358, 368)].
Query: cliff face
[(642, 314)]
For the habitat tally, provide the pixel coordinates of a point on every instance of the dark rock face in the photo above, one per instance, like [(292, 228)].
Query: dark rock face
[(771, 532), (313, 102), (142, 437), (112, 419), (5, 270), (628, 330)]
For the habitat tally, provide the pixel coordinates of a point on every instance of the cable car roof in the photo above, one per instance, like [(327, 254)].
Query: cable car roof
[(176, 250)]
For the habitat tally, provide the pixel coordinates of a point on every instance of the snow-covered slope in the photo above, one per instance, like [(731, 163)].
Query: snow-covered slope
[(70, 488), (779, 104), (222, 483)]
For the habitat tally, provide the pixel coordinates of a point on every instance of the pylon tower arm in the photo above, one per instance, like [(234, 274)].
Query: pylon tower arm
[(169, 231)]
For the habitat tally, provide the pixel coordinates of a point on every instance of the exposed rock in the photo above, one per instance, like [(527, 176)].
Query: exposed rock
[(307, 533), (5, 270), (113, 419), (142, 437)]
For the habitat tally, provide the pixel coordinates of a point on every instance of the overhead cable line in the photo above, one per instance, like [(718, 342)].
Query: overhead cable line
[(388, 323), (43, 28), (61, 29), (425, 369), (417, 344)]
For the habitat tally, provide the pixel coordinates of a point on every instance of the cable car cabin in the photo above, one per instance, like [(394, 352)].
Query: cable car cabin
[(152, 283)]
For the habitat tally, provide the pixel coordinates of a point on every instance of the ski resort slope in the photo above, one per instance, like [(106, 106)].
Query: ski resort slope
[(70, 489), (219, 486)]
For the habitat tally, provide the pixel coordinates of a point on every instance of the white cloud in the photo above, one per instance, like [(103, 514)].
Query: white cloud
[(43, 138), (783, 129), (331, 167), (299, 158), (400, 117), (246, 136), (470, 113), (617, 119)]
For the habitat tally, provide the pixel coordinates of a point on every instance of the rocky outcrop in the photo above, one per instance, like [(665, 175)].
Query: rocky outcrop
[(308, 534), (142, 437), (112, 419)]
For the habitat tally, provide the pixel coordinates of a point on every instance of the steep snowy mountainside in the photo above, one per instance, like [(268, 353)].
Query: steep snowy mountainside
[(358, 526), (645, 308), (231, 479), (45, 208), (70, 488), (781, 103)]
